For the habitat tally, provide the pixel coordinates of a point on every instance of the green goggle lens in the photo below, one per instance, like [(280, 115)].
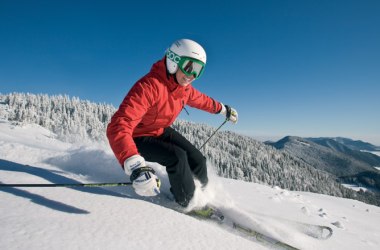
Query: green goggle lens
[(188, 65), (191, 66)]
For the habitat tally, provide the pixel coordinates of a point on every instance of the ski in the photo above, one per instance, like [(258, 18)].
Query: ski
[(207, 213), (263, 238), (316, 231), (214, 214)]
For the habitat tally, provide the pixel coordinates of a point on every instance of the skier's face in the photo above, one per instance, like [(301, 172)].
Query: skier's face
[(183, 79)]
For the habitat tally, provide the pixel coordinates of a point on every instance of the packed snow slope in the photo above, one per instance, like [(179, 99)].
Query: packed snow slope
[(116, 218)]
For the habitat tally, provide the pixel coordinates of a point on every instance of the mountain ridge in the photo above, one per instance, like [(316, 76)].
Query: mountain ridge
[(357, 145), (331, 156)]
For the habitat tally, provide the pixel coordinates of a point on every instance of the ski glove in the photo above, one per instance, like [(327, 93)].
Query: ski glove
[(230, 113), (143, 177)]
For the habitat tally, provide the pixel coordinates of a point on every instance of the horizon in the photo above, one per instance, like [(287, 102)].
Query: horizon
[(307, 69)]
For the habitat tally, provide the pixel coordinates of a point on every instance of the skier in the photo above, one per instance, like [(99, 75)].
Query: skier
[(140, 128)]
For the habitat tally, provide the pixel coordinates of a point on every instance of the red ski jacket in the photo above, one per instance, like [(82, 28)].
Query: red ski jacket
[(152, 104)]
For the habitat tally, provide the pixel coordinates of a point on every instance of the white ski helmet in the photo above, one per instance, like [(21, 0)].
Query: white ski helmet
[(183, 47)]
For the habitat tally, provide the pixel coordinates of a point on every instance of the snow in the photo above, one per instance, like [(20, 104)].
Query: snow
[(116, 218), (372, 152), (355, 187), (304, 143), (375, 153)]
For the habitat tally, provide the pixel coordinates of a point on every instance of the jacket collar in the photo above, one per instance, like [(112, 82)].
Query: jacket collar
[(159, 69)]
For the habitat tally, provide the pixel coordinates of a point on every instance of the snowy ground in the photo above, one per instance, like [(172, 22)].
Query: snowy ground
[(373, 152), (355, 187), (115, 218)]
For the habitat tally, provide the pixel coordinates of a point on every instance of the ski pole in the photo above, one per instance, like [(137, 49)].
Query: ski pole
[(213, 134), (69, 185)]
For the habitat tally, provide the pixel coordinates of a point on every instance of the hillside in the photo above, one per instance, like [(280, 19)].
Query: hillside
[(333, 159), (348, 165), (350, 148), (356, 144)]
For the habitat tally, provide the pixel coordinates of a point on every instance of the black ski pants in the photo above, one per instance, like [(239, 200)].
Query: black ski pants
[(183, 161)]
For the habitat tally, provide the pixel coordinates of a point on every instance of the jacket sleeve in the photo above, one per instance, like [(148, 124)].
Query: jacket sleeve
[(201, 101), (127, 117)]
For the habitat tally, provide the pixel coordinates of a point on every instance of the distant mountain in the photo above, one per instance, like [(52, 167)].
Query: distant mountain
[(331, 156), (343, 145), (328, 155), (352, 144)]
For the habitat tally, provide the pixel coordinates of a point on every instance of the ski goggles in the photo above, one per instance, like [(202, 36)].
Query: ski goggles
[(188, 65)]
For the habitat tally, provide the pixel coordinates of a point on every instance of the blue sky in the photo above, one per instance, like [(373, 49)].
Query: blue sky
[(305, 68)]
